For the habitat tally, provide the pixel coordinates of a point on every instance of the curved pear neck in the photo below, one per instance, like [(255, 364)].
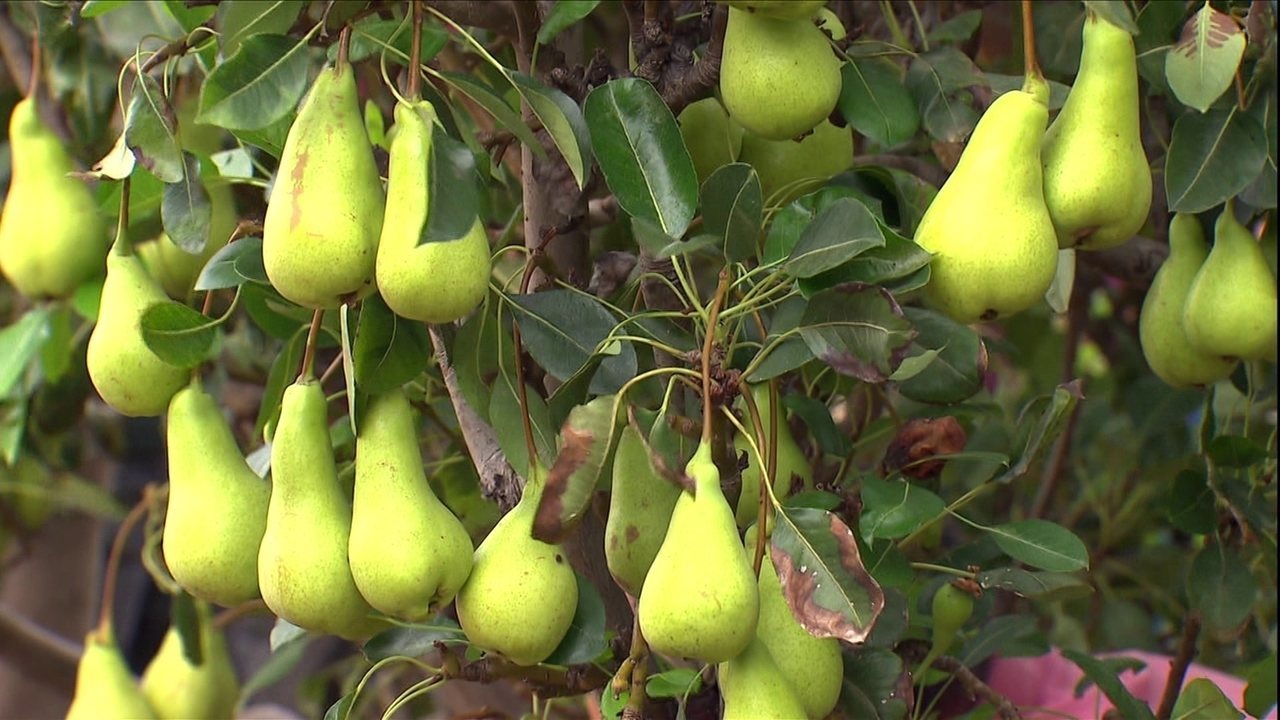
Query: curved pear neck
[(706, 476)]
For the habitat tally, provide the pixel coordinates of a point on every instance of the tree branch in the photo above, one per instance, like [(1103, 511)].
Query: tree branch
[(495, 16), (547, 680), (1135, 261), (1178, 666)]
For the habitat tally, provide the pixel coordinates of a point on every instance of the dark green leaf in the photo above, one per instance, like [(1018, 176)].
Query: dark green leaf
[(997, 634), (1200, 699), (412, 640), (1233, 451), (586, 442), (1212, 157), (561, 329), (453, 189), (185, 209), (960, 366), (507, 118), (872, 678), (957, 29), (284, 369), (1191, 503), (389, 350), (1041, 544), (223, 270), (894, 509), (790, 222), (507, 419), (839, 232), (586, 639), (1260, 695), (150, 131), (732, 207), (1045, 430), (1106, 675), (19, 344), (257, 86), (1221, 588), (177, 334), (563, 120), (817, 417), (1037, 585), (239, 20), (341, 709), (371, 36), (563, 14), (876, 103), (933, 79), (858, 330)]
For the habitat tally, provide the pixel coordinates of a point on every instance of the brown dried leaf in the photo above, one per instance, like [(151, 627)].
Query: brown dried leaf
[(921, 439)]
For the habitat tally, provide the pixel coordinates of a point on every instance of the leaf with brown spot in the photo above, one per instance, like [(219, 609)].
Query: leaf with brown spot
[(586, 441), (668, 449), (858, 330), (918, 441), (828, 589), (1203, 63)]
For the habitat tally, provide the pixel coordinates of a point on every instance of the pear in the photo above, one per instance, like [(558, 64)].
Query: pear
[(105, 687), (812, 666), (179, 690), (302, 566), (1097, 183), (320, 235), (994, 248), (778, 78), (699, 599), (127, 374), (789, 169), (217, 505), (1164, 341), (782, 9), (52, 237), (1231, 307), (791, 463), (409, 555), (829, 21), (640, 506), (713, 139), (753, 688), (522, 594), (176, 269), (434, 282)]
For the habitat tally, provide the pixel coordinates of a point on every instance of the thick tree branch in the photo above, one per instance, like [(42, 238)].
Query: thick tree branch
[(1178, 666), (487, 14), (666, 59), (1136, 261)]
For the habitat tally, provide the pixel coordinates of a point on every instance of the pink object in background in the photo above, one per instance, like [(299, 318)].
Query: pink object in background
[(1043, 687)]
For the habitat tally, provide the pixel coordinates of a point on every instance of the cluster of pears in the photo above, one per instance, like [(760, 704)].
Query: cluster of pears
[(331, 235), (1023, 189), (1208, 309)]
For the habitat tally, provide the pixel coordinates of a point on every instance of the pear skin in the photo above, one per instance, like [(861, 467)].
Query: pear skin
[(1097, 183), (105, 687), (699, 599), (320, 235), (180, 690), (778, 78), (217, 505), (409, 555), (753, 687), (791, 463), (713, 139), (789, 169), (1164, 341), (995, 251), (640, 506), (52, 236), (782, 9), (434, 282)]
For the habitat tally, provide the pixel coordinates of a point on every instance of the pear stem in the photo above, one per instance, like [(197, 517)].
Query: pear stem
[(309, 353), (33, 81), (765, 439), (344, 46), (637, 659), (230, 615), (113, 559), (415, 53), (121, 244), (708, 343), (1029, 42)]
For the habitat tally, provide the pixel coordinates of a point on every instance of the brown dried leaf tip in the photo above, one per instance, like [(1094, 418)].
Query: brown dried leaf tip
[(919, 440)]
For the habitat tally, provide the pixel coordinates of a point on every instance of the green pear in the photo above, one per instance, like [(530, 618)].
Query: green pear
[(789, 169), (1164, 341), (180, 690), (1231, 307), (753, 687), (409, 555), (778, 78), (434, 282), (522, 594), (105, 687), (640, 506), (782, 9), (791, 463), (217, 505), (812, 666), (320, 235), (127, 374), (829, 21), (176, 269), (52, 237), (1097, 183), (699, 599), (302, 566), (994, 249), (713, 139)]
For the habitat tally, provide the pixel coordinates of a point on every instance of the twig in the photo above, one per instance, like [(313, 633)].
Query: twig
[(20, 634), (309, 352), (976, 687), (230, 615), (177, 48), (113, 560), (1077, 316), (1178, 666)]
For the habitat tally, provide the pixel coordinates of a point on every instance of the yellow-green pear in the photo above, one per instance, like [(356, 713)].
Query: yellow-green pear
[(1097, 183), (712, 137), (789, 169), (640, 506), (435, 282), (994, 249), (791, 463), (812, 666), (778, 78), (1231, 307), (302, 566), (1164, 341), (176, 269), (52, 237), (409, 555), (699, 599), (105, 687), (320, 235), (521, 595), (127, 374), (829, 21), (783, 9), (180, 690), (217, 505), (753, 687)]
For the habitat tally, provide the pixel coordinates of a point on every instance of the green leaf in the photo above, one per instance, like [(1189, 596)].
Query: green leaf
[(1041, 544), (507, 118), (642, 154), (284, 369), (1200, 699), (453, 190), (371, 36), (871, 686), (733, 208), (562, 328), (232, 266), (258, 85), (282, 660), (240, 20), (1191, 503), (507, 419), (586, 639), (840, 232), (933, 79), (858, 330), (960, 367), (564, 14), (19, 344), (562, 119), (1260, 694), (876, 103), (1108, 681), (957, 29), (1221, 588), (389, 350), (586, 442), (185, 209), (674, 683), (412, 640), (894, 509), (1036, 585), (1212, 157), (1116, 13), (817, 417), (341, 709), (150, 131), (790, 222), (1233, 451), (1041, 435), (1201, 66), (177, 334), (897, 265), (95, 8)]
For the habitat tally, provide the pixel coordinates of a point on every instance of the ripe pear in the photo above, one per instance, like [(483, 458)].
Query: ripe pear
[(994, 248), (1164, 341), (712, 137), (436, 282), (302, 566), (522, 594), (217, 505), (778, 78), (1097, 183), (52, 237), (812, 666), (753, 687), (783, 9), (789, 168), (320, 235), (700, 599), (179, 690), (127, 374), (791, 463), (1231, 307), (640, 506), (409, 555), (105, 687), (176, 269)]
